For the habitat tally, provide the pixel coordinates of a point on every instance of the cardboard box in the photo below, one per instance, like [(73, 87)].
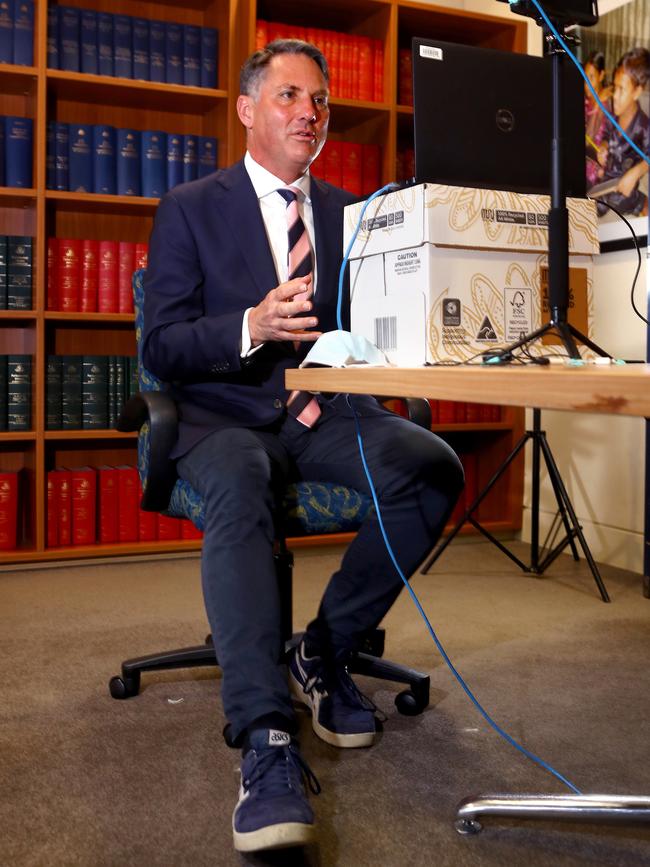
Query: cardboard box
[(443, 273)]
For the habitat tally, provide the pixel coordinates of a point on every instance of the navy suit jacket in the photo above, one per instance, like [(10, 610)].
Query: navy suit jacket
[(209, 260)]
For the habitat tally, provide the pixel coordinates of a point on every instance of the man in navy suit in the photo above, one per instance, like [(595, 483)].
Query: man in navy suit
[(223, 318)]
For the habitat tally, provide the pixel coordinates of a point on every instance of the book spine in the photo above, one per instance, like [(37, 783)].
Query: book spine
[(89, 279), (50, 159), (366, 87), (107, 293), (24, 33), (157, 57), (147, 526), (53, 392), (104, 159), (191, 55), (379, 95), (112, 395), (108, 505), (3, 271), (446, 412), (126, 267), (189, 531), (334, 163), (123, 45), (7, 32), (370, 168), (52, 37), (154, 153), (119, 393), (209, 57), (168, 528), (19, 392), (141, 49), (105, 53), (83, 481), (94, 392), (3, 156), (173, 53), (68, 275), (261, 34), (190, 160), (69, 38), (19, 272), (8, 510), (208, 155), (71, 392), (141, 255), (128, 499), (133, 384), (52, 513), (89, 56), (404, 77), (3, 392), (63, 483), (52, 295), (351, 162), (18, 151), (80, 154), (61, 156), (174, 160), (128, 162)]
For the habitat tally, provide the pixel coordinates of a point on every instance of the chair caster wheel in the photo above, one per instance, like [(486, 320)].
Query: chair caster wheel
[(408, 704), (124, 687)]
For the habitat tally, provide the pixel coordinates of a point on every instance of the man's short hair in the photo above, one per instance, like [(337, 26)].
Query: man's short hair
[(254, 69), (636, 64)]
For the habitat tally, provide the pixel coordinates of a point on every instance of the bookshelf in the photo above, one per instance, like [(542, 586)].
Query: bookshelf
[(45, 94)]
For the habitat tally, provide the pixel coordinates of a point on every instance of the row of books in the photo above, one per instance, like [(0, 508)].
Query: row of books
[(461, 412), (356, 63), (101, 43), (16, 272), (15, 392), (101, 505), (404, 77), (9, 483), (89, 276), (16, 151), (17, 32), (87, 392), (355, 167), (469, 460), (98, 158)]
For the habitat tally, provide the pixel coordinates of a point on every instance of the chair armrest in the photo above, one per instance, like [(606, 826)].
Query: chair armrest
[(417, 408), (158, 410)]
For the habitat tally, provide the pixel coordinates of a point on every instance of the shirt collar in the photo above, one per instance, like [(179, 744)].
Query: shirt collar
[(264, 183)]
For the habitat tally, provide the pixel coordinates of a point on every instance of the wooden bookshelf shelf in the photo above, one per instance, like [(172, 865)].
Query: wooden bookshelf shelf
[(69, 435), (61, 316), (17, 436), (89, 201), (17, 315), (17, 195)]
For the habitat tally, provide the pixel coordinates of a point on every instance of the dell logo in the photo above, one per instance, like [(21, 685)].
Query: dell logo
[(505, 120)]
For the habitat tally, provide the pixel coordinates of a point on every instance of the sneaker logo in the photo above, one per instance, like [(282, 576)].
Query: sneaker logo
[(278, 738)]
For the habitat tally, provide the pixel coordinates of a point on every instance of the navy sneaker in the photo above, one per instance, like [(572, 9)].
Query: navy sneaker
[(341, 715), (273, 811)]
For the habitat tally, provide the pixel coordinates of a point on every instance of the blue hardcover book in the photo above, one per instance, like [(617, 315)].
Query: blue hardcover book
[(61, 157), (7, 31), (128, 162), (157, 61), (154, 159), (24, 33), (173, 53), (80, 152), (105, 56), (19, 133), (50, 159), (207, 157), (122, 45), (104, 159), (53, 37), (69, 38), (191, 55), (209, 56), (89, 57), (2, 152), (141, 49), (190, 158), (174, 160)]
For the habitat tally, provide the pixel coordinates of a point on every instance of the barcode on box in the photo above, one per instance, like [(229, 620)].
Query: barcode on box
[(431, 52), (386, 333)]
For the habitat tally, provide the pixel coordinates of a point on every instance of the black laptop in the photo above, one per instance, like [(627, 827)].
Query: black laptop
[(483, 118)]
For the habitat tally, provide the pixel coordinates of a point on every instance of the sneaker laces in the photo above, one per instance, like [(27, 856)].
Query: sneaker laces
[(279, 768), (335, 679)]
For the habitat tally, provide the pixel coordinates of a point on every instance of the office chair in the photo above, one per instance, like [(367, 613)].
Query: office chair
[(308, 508)]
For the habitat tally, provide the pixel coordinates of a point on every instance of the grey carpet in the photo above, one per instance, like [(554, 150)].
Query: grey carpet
[(86, 780)]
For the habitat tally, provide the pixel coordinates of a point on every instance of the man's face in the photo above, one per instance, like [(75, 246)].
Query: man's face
[(626, 93), (287, 119)]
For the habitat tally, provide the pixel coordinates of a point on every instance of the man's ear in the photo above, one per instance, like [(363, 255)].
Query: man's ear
[(245, 110)]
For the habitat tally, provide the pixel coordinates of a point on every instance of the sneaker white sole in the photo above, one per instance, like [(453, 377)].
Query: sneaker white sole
[(274, 837), (349, 741)]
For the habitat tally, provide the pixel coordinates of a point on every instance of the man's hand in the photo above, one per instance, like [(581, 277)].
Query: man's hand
[(281, 315)]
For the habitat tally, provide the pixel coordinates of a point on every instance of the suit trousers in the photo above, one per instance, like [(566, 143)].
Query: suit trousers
[(241, 473)]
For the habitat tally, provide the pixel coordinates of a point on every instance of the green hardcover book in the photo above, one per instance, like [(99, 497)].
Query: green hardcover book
[(71, 392), (19, 272), (112, 390), (3, 392), (19, 392), (121, 383), (54, 392), (94, 392), (134, 383), (3, 272)]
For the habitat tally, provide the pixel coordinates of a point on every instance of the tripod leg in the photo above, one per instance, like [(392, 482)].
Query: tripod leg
[(587, 342)]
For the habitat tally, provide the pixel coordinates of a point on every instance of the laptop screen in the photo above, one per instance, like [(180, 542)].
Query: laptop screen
[(483, 118)]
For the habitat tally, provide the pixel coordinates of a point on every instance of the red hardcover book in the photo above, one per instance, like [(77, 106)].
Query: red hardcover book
[(379, 71), (460, 411), (189, 531), (317, 168), (126, 267), (404, 77), (108, 505), (128, 498), (277, 30), (63, 497), (8, 510), (52, 513), (317, 36), (351, 163), (446, 412), (107, 298), (370, 168), (141, 255), (472, 413), (68, 274), (354, 67), (89, 276), (84, 505), (333, 55), (261, 34), (345, 66), (52, 300), (366, 87), (334, 163), (148, 526), (168, 528)]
